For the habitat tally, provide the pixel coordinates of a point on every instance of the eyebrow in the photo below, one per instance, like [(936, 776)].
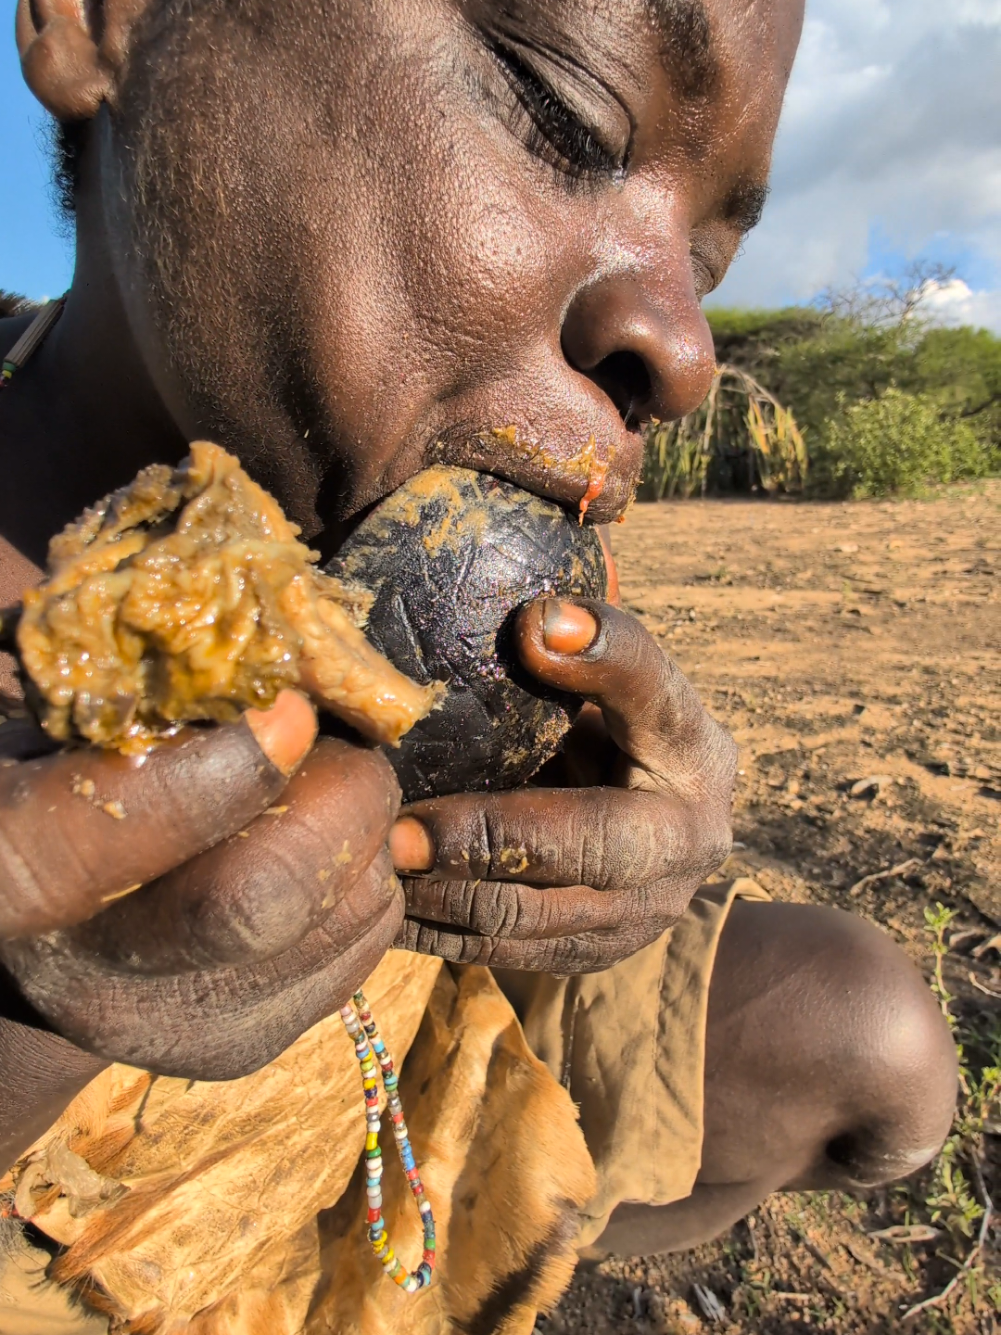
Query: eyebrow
[(687, 44)]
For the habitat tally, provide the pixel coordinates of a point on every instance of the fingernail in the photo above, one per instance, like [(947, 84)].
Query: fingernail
[(286, 731), (411, 846), (567, 629)]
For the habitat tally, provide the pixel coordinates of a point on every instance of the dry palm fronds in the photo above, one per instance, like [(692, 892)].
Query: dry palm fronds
[(739, 419)]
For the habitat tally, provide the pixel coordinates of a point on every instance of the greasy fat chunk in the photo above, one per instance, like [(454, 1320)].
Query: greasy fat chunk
[(187, 595)]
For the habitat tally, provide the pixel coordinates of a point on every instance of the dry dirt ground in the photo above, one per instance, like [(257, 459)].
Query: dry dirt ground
[(854, 652)]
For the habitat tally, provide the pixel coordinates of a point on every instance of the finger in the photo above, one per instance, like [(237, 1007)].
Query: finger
[(652, 712), (214, 1025), (606, 838), (256, 894), (518, 912), (83, 827), (589, 952)]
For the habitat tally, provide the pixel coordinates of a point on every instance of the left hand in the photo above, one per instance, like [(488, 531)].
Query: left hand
[(574, 879)]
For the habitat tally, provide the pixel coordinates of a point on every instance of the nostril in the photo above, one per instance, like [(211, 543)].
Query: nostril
[(625, 379)]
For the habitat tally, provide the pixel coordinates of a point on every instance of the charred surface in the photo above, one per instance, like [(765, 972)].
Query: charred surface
[(449, 558)]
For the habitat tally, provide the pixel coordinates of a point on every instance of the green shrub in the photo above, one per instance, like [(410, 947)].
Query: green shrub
[(814, 362), (877, 399), (898, 442)]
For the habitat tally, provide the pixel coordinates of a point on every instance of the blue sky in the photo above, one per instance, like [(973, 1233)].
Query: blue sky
[(889, 150), (34, 258)]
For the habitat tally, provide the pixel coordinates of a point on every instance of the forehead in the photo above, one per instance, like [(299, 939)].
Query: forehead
[(695, 39), (701, 35), (710, 58)]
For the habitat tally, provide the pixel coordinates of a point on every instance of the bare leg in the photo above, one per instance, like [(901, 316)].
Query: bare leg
[(828, 1065)]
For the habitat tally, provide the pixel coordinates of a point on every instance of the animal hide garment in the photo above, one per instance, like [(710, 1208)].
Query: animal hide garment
[(238, 1208)]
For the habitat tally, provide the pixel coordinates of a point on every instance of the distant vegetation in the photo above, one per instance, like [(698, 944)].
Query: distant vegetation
[(11, 304), (861, 397)]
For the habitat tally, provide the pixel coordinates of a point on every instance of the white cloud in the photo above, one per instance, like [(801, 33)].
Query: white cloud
[(955, 303), (892, 125)]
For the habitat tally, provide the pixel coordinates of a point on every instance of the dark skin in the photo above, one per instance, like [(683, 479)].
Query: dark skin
[(347, 246)]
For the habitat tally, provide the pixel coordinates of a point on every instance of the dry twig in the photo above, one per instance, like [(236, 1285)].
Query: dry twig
[(982, 987), (910, 865)]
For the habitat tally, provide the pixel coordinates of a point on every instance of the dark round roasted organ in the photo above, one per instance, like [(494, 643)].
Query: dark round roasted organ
[(450, 557)]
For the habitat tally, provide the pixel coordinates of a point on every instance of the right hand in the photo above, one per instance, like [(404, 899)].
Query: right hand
[(267, 897)]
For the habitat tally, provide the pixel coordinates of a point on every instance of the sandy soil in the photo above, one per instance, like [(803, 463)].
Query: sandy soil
[(854, 652)]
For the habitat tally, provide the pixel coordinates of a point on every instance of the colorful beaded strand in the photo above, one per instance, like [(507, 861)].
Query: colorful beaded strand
[(31, 340), (370, 1049)]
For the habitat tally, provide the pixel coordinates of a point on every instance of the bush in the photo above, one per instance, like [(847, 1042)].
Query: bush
[(875, 399), (898, 442), (11, 304), (739, 431), (816, 362)]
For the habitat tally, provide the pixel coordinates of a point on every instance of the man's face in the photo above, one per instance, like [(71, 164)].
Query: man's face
[(355, 237)]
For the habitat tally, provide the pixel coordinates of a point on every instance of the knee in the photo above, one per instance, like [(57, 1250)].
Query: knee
[(857, 1040), (889, 1052), (893, 1057)]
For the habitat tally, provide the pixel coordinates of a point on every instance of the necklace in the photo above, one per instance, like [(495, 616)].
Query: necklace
[(369, 1048), (31, 340), (356, 1015)]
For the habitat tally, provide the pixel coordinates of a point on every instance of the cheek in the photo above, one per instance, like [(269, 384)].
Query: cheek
[(484, 266), (490, 274), (442, 264)]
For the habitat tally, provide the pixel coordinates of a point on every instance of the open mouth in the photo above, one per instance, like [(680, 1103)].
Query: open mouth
[(593, 480)]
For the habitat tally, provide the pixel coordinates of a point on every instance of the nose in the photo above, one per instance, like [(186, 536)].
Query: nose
[(651, 354)]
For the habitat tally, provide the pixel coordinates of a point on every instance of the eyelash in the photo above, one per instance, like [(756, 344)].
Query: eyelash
[(553, 132)]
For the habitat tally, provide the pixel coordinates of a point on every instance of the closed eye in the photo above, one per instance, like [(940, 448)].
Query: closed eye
[(554, 132)]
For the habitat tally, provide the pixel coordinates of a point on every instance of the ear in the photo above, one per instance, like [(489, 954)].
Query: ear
[(72, 53)]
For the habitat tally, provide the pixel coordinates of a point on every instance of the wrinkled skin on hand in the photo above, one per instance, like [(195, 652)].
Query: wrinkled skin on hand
[(574, 878), (267, 899)]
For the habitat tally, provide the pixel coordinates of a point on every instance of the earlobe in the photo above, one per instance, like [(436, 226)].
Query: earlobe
[(60, 59), (70, 62)]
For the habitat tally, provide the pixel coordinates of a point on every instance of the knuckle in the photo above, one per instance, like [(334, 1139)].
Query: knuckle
[(250, 922), (717, 847), (408, 937), (485, 855), (22, 897), (673, 894), (497, 909), (487, 909), (588, 952), (728, 757), (372, 778)]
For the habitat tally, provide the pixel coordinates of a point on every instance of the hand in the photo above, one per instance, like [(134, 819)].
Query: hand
[(572, 880), (266, 900)]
